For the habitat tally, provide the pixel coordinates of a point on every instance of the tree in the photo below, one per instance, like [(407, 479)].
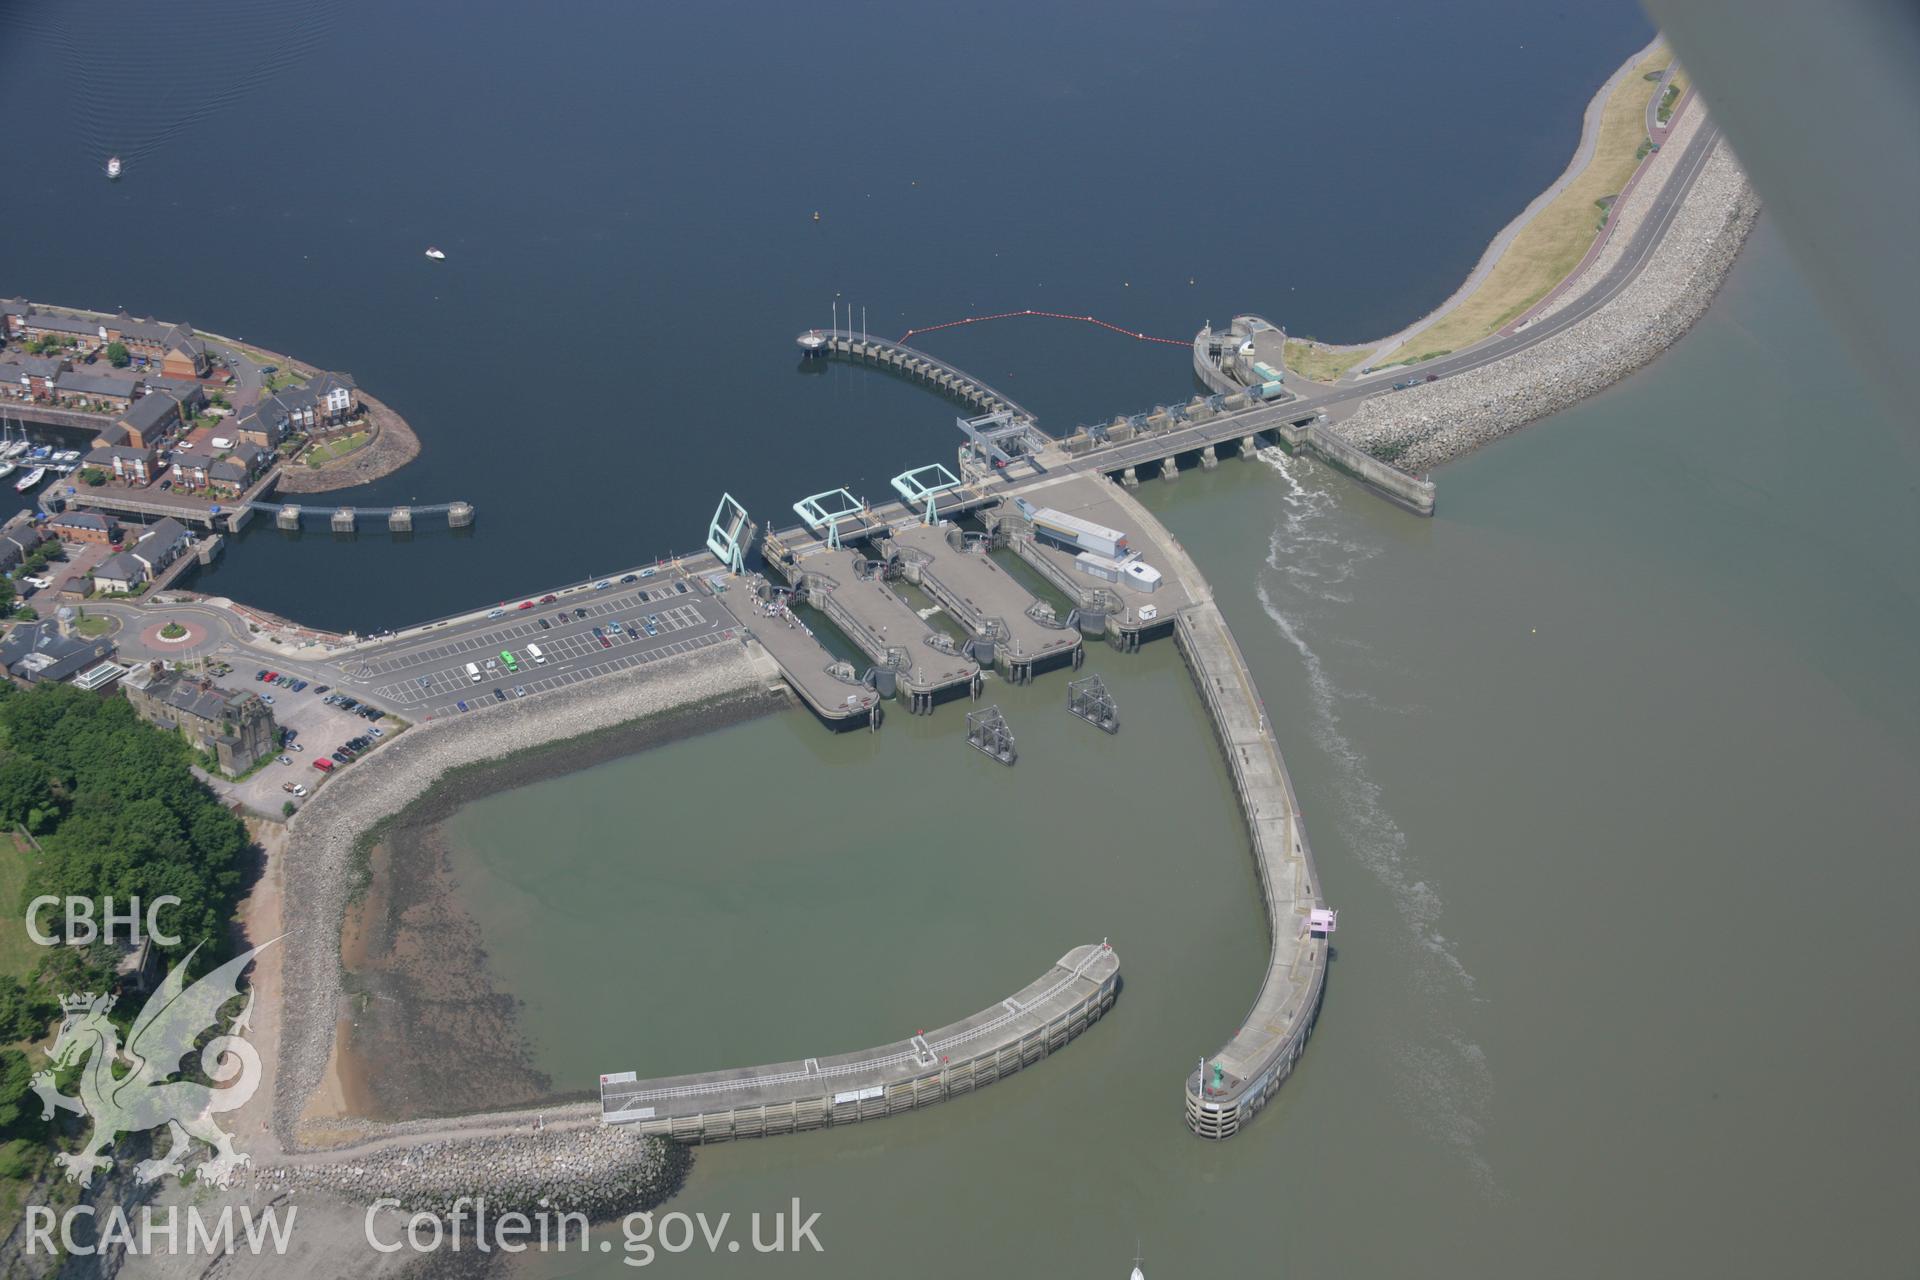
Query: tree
[(93, 476), (117, 355), (286, 810)]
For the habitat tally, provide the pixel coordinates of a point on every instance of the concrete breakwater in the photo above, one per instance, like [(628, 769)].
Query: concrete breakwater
[(930, 1066), (1433, 423), (324, 852), (1237, 1080)]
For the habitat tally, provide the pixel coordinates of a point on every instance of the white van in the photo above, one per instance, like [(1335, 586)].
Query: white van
[(533, 651), (473, 673)]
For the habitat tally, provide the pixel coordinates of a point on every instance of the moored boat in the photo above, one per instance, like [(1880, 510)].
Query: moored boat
[(30, 479)]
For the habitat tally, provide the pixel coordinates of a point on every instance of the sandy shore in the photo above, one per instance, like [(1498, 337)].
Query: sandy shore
[(420, 778), (431, 1032)]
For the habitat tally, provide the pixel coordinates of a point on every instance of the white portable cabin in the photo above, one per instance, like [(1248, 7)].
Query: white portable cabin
[(1095, 565), (1083, 535), (1142, 575)]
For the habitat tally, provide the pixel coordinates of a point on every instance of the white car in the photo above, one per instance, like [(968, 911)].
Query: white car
[(299, 790), (377, 732)]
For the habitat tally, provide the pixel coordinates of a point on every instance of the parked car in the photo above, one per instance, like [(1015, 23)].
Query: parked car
[(286, 786), (426, 682), (321, 688), (267, 698), (548, 598), (613, 625), (286, 759), (519, 691), (545, 625), (680, 588), (261, 674), (299, 790), (324, 766), (579, 613), (648, 573), (299, 686), (271, 676), (602, 585), (632, 577), (560, 618), (377, 732), (1433, 377), (498, 696), (496, 613), (461, 704)]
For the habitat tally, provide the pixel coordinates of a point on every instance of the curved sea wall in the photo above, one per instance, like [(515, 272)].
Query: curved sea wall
[(323, 857), (1434, 423)]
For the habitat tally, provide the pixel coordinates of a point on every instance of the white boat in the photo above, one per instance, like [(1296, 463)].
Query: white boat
[(435, 254), (6, 469), (15, 448), (113, 167), (30, 479)]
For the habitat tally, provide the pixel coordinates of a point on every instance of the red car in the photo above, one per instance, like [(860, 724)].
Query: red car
[(548, 599), (324, 766), (271, 676), (524, 604)]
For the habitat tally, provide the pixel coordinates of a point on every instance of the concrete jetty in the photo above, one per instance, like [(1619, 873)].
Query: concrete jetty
[(916, 1071)]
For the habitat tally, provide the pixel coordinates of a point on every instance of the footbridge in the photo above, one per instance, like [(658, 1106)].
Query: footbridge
[(291, 516)]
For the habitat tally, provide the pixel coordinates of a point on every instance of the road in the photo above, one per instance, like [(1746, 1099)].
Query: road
[(1639, 252)]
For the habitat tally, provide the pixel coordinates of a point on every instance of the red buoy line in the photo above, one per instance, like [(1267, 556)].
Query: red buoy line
[(1049, 315)]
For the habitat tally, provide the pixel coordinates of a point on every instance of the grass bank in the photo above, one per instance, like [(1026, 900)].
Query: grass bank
[(1548, 248), (1309, 359)]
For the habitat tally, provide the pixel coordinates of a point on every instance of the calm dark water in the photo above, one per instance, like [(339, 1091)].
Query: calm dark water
[(626, 194)]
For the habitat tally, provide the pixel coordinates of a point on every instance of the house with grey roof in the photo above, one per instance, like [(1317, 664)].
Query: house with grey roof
[(119, 572), (160, 544), (37, 652), (129, 464), (31, 377), (151, 418), (82, 390), (17, 541)]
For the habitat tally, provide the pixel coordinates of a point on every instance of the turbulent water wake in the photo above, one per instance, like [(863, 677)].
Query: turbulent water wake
[(1313, 560)]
